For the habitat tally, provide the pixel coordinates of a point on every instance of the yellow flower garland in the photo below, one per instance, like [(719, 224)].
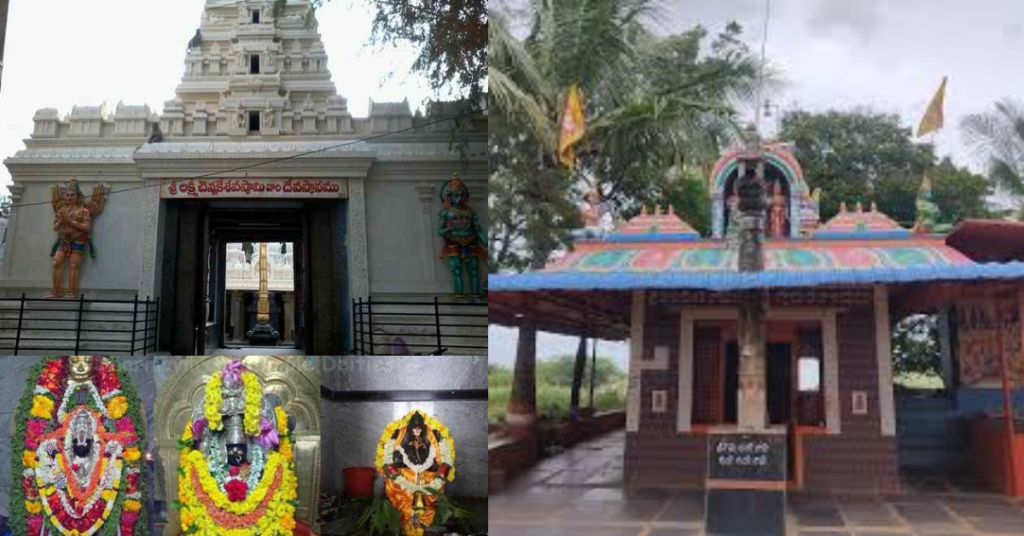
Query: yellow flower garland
[(131, 454), (282, 420), (117, 406), (253, 394), (279, 517), (211, 404), (42, 407)]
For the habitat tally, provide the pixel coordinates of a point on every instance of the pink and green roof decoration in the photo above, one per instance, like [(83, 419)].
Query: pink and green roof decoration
[(789, 256), (860, 223), (657, 227)]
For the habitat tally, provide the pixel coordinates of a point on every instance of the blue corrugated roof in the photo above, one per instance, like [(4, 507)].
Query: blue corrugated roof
[(722, 281)]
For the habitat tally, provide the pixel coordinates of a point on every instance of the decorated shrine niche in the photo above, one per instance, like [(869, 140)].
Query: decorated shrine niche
[(416, 455), (237, 461), (79, 433), (792, 209)]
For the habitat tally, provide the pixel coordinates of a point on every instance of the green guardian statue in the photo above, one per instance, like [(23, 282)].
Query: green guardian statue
[(464, 240)]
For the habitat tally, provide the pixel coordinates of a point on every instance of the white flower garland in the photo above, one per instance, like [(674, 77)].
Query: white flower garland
[(420, 467), (437, 484), (72, 387)]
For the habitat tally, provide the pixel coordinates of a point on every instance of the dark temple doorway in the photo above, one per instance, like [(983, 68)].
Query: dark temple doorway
[(200, 317)]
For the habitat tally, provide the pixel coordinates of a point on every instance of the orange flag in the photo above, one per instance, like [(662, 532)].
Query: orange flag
[(933, 117), (574, 126)]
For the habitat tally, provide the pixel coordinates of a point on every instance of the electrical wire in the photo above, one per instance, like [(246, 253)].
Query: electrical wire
[(161, 182)]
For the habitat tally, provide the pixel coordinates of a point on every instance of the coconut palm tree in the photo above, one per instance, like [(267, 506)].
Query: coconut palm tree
[(999, 136), (652, 103), (642, 91)]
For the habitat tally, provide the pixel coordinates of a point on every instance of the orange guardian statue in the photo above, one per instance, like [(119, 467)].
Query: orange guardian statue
[(72, 219)]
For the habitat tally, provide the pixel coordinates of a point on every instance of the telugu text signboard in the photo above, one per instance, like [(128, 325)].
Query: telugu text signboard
[(253, 189)]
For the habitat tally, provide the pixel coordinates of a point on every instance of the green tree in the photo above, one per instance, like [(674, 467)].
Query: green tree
[(999, 136), (5, 205), (653, 104), (450, 37), (915, 346), (558, 371), (864, 156)]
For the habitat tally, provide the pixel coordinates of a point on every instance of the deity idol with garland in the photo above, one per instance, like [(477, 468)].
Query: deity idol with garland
[(416, 455), (80, 430), (237, 464)]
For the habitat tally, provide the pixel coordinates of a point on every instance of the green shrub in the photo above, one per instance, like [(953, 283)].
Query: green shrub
[(554, 388)]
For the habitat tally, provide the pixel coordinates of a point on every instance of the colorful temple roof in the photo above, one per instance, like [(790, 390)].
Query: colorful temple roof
[(856, 247), (859, 223), (656, 227)]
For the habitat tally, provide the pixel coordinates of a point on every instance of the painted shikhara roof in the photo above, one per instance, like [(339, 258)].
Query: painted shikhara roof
[(856, 247)]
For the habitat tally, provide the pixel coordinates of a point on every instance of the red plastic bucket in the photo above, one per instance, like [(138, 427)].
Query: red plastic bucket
[(358, 481)]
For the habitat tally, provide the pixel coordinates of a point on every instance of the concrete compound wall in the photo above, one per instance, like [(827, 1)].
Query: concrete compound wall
[(352, 429)]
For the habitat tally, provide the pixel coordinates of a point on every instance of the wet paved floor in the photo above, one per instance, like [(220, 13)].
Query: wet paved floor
[(579, 493)]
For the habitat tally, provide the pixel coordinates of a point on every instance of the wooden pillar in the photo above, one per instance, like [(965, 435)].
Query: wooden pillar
[(522, 402), (636, 356), (883, 356)]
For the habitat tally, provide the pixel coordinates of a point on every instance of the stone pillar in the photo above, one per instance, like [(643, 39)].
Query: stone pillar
[(289, 316), (237, 316), (751, 407), (522, 402)]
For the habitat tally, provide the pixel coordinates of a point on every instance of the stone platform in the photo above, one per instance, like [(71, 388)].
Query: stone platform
[(579, 492)]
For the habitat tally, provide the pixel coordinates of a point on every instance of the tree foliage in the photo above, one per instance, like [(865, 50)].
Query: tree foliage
[(863, 156), (658, 108), (915, 346), (450, 37), (999, 136)]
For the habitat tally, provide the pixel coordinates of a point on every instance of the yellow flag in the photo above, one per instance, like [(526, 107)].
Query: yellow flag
[(573, 126), (933, 117)]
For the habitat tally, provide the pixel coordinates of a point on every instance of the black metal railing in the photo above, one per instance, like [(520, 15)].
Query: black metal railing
[(386, 327), (119, 327)]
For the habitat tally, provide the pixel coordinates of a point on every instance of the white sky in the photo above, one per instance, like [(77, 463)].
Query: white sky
[(60, 53), (888, 55)]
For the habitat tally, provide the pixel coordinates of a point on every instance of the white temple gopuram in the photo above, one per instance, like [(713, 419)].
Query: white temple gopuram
[(360, 211)]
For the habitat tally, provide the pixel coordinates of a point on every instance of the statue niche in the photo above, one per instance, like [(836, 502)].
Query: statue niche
[(778, 208)]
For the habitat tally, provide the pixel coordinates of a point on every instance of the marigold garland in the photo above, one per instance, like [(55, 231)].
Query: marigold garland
[(205, 509), (110, 501), (211, 404), (253, 394)]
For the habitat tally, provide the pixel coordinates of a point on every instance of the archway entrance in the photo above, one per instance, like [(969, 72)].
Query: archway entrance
[(198, 317)]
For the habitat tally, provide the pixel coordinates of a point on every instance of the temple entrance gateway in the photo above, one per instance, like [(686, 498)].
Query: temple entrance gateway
[(200, 319)]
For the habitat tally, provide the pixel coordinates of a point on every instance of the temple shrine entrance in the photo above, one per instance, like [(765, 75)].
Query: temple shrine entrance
[(204, 239), (793, 388), (245, 284)]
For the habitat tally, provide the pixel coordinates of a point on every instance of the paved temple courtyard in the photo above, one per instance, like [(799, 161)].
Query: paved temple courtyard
[(579, 493)]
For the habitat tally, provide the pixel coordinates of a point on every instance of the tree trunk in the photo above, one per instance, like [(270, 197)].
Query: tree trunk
[(522, 402), (577, 379)]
